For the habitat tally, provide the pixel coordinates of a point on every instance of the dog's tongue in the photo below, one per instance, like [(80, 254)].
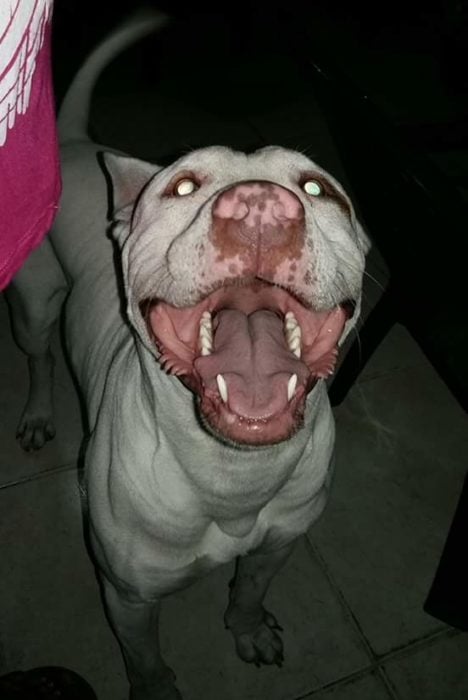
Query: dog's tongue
[(251, 353)]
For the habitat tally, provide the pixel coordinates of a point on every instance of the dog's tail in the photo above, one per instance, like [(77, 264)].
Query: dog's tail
[(74, 112)]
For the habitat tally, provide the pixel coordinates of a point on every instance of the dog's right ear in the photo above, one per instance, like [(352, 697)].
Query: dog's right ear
[(128, 177)]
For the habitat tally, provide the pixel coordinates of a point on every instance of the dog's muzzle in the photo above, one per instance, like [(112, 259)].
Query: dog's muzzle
[(250, 349)]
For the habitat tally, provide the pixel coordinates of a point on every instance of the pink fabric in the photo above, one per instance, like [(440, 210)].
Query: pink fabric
[(29, 164)]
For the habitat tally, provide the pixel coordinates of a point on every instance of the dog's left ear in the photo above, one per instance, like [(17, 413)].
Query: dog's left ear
[(128, 177)]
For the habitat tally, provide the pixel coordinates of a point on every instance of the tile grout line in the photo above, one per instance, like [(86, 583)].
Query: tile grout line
[(355, 676), (376, 661), (68, 466), (313, 550), (389, 687), (418, 644), (412, 647)]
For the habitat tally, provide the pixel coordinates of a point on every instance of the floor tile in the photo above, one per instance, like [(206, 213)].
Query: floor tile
[(397, 351), (401, 449), (417, 410), (15, 463), (51, 608), (371, 687), (436, 672)]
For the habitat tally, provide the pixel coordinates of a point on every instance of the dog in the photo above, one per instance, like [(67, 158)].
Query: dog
[(202, 357)]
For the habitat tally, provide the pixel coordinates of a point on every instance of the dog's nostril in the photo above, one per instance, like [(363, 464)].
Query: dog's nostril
[(279, 211), (241, 211)]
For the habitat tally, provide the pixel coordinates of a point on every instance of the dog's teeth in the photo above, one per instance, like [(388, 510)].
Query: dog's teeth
[(205, 345), (222, 387), (293, 333), (205, 334), (292, 386)]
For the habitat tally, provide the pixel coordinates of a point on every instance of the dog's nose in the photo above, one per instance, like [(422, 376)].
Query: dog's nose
[(259, 212)]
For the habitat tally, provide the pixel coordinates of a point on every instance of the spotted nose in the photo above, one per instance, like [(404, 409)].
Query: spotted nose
[(259, 212)]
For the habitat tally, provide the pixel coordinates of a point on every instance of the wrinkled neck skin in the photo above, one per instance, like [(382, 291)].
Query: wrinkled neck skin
[(245, 477)]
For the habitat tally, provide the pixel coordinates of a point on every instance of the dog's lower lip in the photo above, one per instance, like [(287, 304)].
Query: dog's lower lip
[(247, 430), (232, 416)]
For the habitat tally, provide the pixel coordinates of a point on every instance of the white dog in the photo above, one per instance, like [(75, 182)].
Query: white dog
[(201, 355)]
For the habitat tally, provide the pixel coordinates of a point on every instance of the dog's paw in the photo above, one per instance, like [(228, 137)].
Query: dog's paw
[(34, 431), (258, 643)]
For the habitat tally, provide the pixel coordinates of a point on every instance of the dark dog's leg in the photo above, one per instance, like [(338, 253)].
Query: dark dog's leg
[(254, 629), (35, 298), (136, 625)]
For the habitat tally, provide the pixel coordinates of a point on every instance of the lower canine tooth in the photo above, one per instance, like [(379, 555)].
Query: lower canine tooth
[(222, 387), (292, 383)]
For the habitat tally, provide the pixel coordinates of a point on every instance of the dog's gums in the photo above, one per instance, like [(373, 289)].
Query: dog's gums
[(251, 352)]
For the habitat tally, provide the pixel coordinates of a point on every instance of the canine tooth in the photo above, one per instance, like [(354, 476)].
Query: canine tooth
[(292, 383), (222, 387)]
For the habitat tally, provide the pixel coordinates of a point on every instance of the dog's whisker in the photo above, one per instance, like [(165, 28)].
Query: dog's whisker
[(375, 280)]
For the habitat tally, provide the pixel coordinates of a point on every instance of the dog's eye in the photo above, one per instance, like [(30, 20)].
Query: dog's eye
[(312, 187), (185, 186)]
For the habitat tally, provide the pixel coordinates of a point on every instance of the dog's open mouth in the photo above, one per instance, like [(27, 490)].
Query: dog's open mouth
[(251, 352)]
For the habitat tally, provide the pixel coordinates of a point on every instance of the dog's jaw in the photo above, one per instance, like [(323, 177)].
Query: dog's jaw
[(251, 352)]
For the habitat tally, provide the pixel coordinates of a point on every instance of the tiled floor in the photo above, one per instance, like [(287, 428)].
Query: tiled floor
[(350, 598)]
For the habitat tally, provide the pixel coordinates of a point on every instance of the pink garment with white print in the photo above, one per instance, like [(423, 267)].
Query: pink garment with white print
[(29, 164)]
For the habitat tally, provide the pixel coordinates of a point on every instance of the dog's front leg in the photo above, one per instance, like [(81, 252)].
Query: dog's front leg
[(35, 299), (136, 625), (255, 630)]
